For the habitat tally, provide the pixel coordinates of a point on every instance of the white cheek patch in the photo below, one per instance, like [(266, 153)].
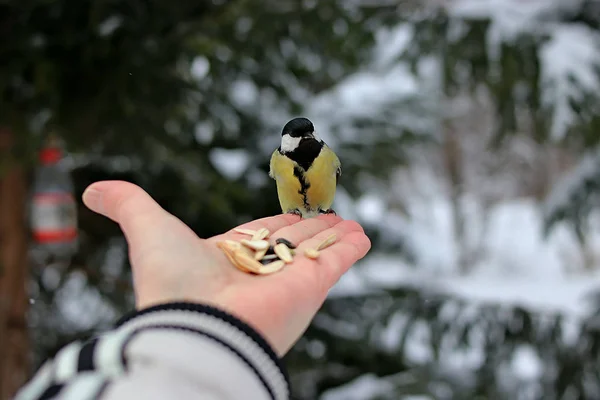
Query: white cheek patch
[(289, 144)]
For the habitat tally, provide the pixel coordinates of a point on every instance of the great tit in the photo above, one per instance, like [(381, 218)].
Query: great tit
[(305, 170)]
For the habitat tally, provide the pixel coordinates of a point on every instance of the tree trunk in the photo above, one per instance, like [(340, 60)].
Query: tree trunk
[(14, 339), (454, 163)]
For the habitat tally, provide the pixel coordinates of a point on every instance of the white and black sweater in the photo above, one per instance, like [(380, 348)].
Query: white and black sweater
[(173, 351)]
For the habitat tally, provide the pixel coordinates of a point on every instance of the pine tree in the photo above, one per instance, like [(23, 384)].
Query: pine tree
[(408, 336), (157, 94)]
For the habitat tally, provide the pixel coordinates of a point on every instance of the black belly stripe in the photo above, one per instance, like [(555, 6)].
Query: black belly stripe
[(304, 185), (304, 156), (306, 152)]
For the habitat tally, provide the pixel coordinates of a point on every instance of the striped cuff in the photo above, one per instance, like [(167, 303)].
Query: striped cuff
[(241, 339)]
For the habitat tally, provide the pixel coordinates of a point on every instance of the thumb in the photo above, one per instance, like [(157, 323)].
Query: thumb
[(125, 203)]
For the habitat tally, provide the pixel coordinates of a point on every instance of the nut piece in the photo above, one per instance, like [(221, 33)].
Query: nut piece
[(312, 253), (283, 252), (244, 231), (271, 267), (261, 234), (255, 244), (289, 244), (327, 242)]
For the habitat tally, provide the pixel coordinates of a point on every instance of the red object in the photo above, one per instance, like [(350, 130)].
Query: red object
[(49, 236), (54, 217), (50, 155)]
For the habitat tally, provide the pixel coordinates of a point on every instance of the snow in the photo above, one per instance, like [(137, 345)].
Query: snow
[(232, 163), (381, 85), (243, 93), (370, 386), (519, 267), (200, 67), (359, 96), (370, 208), (391, 43), (364, 387), (513, 16), (204, 132), (563, 191), (526, 363), (88, 310), (109, 25), (573, 50)]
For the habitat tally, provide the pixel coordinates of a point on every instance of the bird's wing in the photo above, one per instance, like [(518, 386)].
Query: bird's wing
[(271, 174), (338, 171)]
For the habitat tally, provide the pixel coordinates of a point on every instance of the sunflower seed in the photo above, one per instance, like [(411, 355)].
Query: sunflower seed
[(283, 252), (244, 231), (269, 259), (327, 242), (271, 267), (255, 244), (232, 244), (260, 234), (227, 251), (311, 253), (286, 242), (259, 254), (246, 261)]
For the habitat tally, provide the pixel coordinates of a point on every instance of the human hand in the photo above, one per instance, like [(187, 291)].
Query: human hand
[(171, 263)]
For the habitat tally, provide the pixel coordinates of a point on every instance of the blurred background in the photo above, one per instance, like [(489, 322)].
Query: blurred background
[(468, 132)]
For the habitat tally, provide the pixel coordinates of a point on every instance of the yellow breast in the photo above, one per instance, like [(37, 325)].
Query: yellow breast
[(289, 189), (307, 191), (322, 179)]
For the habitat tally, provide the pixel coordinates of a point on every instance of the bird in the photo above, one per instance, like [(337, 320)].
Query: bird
[(306, 170)]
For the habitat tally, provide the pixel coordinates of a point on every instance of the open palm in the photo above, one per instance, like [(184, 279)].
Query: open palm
[(170, 263)]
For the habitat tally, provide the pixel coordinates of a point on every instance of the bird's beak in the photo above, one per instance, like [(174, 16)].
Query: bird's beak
[(309, 135)]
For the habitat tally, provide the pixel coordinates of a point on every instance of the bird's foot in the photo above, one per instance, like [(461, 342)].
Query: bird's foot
[(329, 211), (295, 211)]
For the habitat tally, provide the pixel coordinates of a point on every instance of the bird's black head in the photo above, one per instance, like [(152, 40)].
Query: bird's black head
[(298, 127)]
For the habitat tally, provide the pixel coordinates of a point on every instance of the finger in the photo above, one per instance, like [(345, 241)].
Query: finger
[(306, 228), (335, 261), (340, 230), (271, 223), (322, 273), (126, 204)]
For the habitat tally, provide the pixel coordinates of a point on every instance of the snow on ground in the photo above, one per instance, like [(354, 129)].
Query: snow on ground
[(518, 265)]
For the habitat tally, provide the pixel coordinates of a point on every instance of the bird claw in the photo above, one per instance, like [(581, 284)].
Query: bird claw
[(329, 211), (294, 212)]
